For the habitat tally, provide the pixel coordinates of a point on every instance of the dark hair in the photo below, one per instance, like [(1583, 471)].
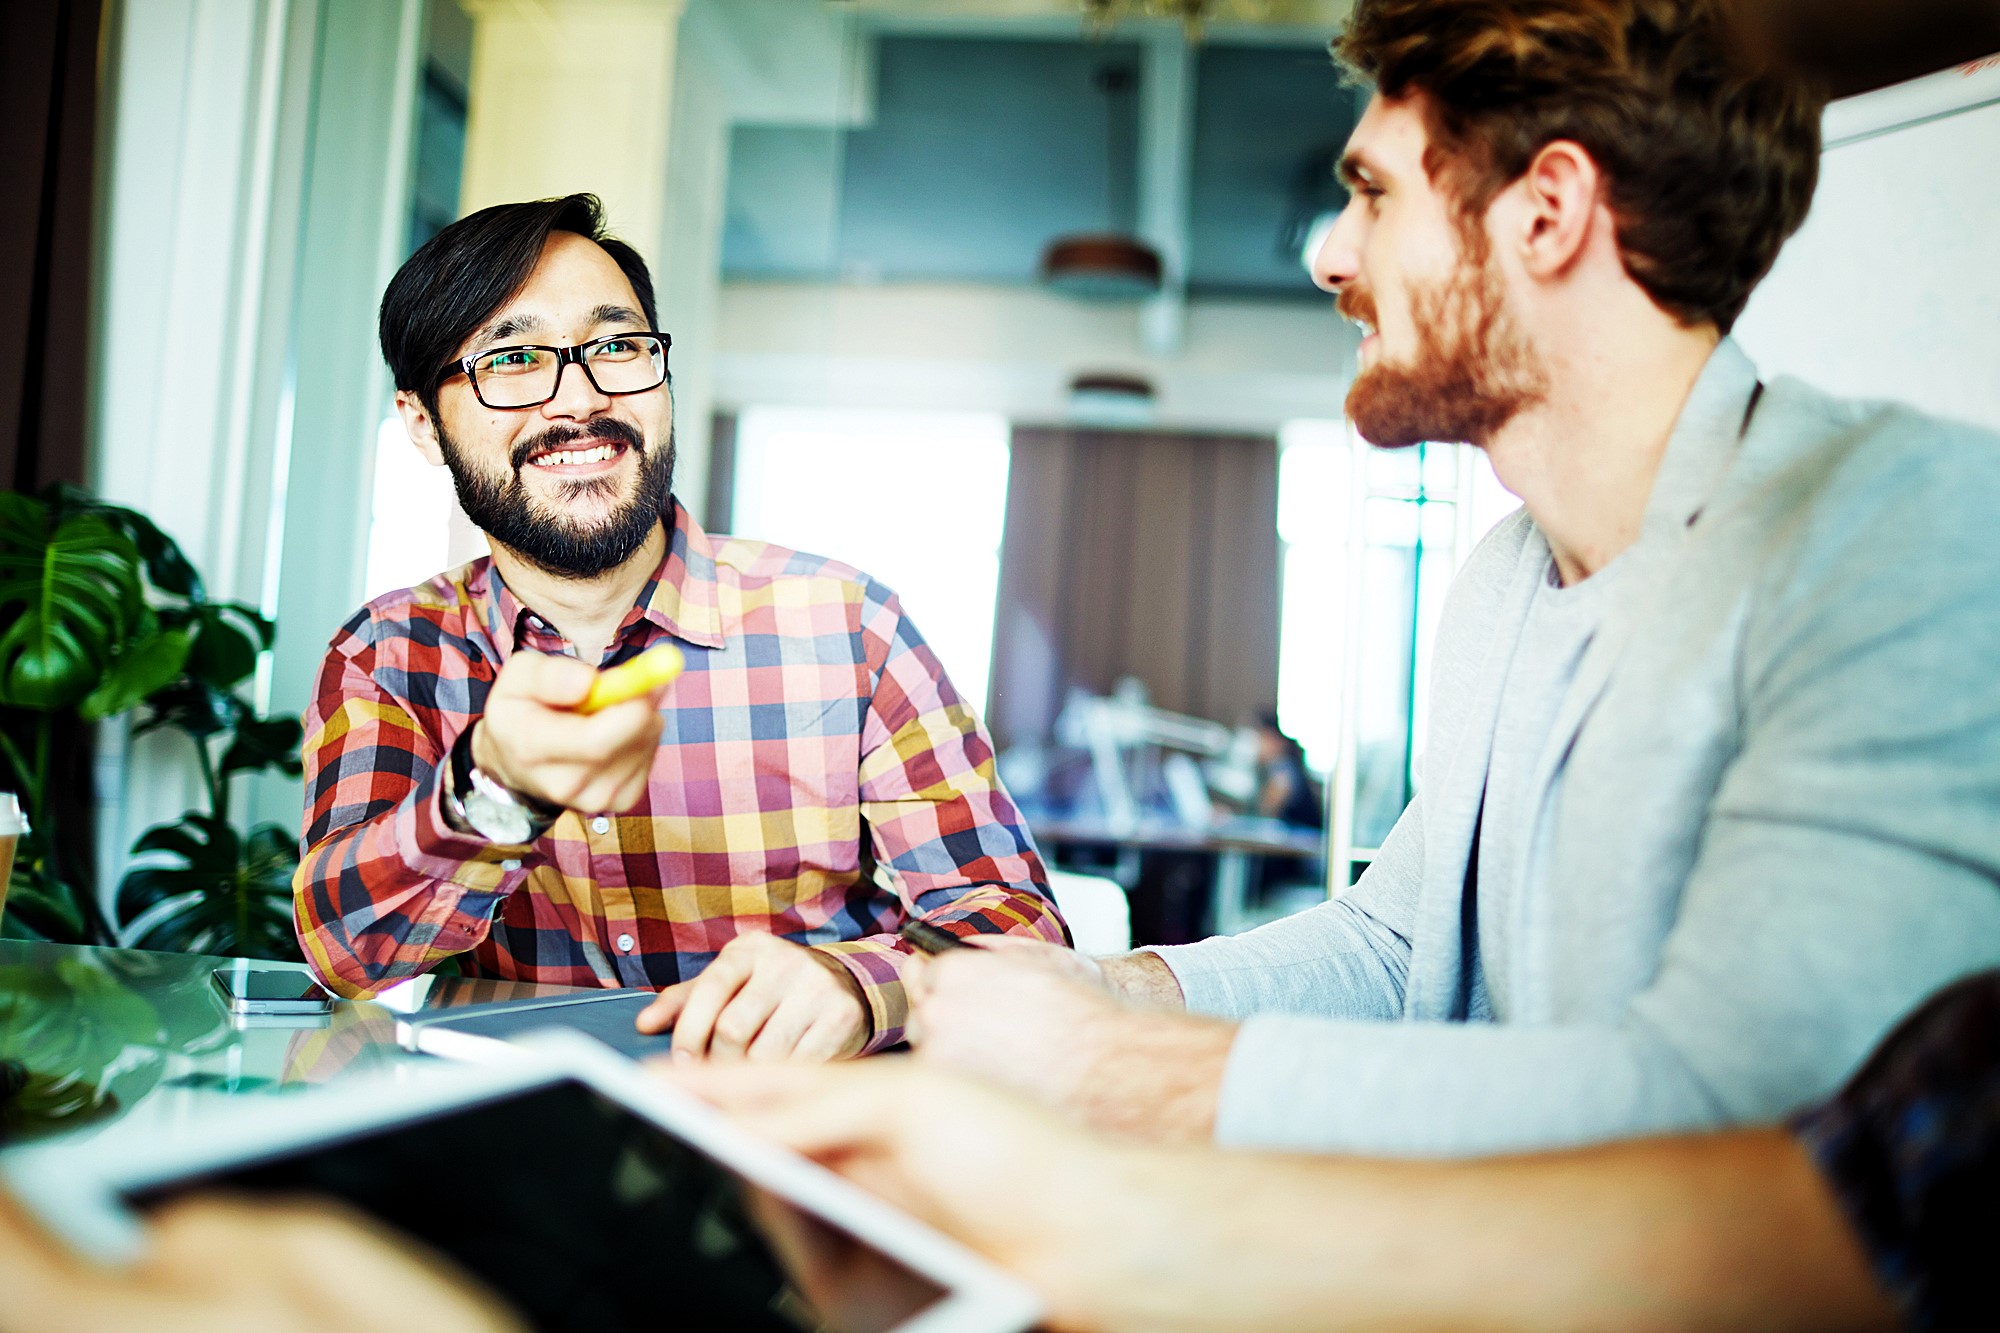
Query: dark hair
[(459, 277), (1709, 162)]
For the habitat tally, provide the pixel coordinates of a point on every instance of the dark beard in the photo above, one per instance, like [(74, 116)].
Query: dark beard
[(510, 516), (1472, 370)]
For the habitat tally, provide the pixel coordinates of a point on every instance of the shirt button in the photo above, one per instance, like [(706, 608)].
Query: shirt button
[(624, 944), (600, 825), (510, 864)]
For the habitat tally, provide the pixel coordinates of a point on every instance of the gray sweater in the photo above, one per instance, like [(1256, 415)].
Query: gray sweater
[(1764, 824)]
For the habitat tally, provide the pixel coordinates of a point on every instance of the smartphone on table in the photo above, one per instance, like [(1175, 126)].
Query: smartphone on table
[(270, 990)]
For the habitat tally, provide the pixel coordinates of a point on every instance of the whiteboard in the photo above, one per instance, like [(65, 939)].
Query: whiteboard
[(1892, 287)]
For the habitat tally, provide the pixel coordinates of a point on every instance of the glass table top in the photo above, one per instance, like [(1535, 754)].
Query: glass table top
[(96, 1040)]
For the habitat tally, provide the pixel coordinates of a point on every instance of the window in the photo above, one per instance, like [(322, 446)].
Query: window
[(1370, 539), (410, 524), (916, 499)]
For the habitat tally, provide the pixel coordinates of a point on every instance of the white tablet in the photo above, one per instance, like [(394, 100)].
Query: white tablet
[(587, 1193)]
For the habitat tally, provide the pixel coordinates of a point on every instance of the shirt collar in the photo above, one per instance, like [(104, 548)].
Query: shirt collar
[(680, 597), (1705, 439)]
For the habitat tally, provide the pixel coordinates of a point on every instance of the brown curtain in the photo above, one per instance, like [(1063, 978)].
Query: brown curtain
[(1137, 554), (48, 99)]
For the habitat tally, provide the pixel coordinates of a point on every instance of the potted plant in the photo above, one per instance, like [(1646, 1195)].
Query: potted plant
[(102, 614)]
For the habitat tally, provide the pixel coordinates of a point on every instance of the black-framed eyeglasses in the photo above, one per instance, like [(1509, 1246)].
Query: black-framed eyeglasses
[(528, 376)]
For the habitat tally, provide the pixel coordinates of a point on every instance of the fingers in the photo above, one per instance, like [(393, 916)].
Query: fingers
[(819, 1110), (743, 1019), (1002, 944), (746, 1089), (783, 1030), (42, 1280), (830, 1037), (709, 995), (599, 761), (321, 1256), (546, 678), (665, 1010), (764, 998)]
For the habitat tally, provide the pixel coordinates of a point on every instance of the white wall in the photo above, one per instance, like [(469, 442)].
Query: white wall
[(1892, 287), (1246, 365)]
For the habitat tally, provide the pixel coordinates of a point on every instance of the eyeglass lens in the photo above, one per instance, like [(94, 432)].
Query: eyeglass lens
[(527, 376)]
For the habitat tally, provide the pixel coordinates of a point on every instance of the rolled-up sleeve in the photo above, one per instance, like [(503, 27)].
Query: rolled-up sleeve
[(385, 889), (939, 821)]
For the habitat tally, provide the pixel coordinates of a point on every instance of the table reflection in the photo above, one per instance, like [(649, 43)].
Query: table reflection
[(90, 1036)]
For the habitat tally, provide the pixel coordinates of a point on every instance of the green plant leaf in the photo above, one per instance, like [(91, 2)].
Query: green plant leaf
[(243, 902), (228, 638), (68, 598), (167, 568), (193, 706), (276, 844), (50, 915), (140, 670), (201, 840), (24, 514), (271, 742), (147, 885)]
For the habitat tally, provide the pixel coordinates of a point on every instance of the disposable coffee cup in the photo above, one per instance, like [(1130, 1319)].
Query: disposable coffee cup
[(12, 825)]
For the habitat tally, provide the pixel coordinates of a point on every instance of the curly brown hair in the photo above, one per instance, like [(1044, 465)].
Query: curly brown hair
[(1709, 161)]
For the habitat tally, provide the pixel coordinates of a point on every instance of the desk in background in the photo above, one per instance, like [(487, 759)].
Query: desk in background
[(1232, 848)]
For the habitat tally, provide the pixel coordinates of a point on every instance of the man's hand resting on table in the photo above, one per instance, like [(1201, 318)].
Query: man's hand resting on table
[(532, 740), (1096, 1040), (764, 998)]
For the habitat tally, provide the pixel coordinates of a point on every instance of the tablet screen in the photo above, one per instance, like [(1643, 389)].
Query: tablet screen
[(585, 1216)]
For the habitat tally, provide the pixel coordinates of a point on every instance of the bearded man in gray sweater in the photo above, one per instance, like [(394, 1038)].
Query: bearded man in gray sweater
[(1712, 789)]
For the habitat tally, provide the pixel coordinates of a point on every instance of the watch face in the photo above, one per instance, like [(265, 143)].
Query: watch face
[(498, 821)]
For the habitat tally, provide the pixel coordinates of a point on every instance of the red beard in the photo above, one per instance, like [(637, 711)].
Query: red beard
[(1473, 369)]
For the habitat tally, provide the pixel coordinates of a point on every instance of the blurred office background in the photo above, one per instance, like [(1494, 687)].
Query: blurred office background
[(1110, 478)]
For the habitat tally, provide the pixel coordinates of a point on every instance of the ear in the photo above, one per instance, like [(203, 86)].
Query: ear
[(422, 430), (1561, 188)]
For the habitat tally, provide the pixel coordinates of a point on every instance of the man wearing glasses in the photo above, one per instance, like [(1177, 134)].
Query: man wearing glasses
[(750, 838)]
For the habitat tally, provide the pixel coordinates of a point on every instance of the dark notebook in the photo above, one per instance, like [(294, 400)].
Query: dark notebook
[(479, 1031)]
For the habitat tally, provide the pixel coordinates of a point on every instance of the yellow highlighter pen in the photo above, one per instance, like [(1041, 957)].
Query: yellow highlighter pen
[(628, 680)]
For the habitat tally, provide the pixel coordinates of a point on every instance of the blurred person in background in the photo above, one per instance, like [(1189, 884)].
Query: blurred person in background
[(1285, 787)]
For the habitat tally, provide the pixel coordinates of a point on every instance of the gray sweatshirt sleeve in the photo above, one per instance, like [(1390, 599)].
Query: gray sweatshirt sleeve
[(1848, 867), (1348, 958)]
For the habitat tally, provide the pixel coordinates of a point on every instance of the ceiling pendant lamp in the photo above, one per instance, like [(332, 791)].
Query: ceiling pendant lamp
[(1111, 265), (1102, 266), (1112, 398)]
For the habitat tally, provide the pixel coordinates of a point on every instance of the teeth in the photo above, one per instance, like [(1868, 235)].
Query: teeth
[(571, 457)]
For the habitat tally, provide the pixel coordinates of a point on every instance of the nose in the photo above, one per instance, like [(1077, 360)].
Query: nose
[(1338, 258), (577, 399)]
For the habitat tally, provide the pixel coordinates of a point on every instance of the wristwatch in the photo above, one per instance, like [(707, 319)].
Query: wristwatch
[(477, 804)]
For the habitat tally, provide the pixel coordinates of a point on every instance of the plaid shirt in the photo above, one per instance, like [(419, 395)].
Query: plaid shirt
[(810, 709)]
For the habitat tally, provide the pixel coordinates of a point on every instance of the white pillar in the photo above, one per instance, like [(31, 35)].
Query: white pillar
[(570, 97)]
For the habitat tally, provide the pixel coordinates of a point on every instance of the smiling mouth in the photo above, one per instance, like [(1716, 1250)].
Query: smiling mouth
[(578, 458)]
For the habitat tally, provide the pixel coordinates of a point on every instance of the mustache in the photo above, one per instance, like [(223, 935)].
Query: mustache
[(1357, 303), (562, 437)]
